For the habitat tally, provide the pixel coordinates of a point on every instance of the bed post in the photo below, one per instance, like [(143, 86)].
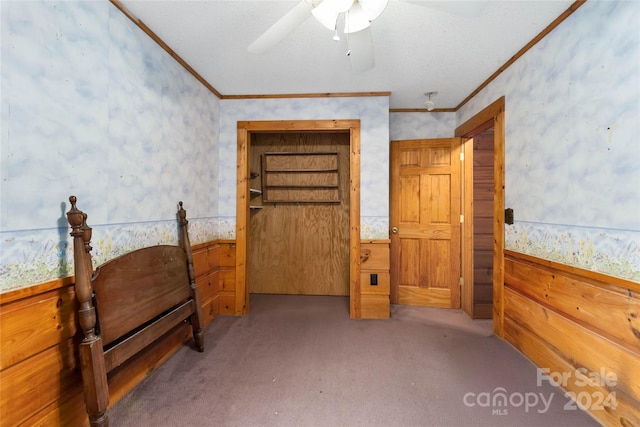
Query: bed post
[(196, 319), (94, 375)]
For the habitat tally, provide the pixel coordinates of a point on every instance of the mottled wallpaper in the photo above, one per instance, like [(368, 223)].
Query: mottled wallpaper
[(419, 125), (572, 153), (373, 113), (91, 106)]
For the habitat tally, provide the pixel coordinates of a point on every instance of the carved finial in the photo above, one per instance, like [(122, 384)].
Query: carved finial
[(86, 233), (182, 214), (74, 216)]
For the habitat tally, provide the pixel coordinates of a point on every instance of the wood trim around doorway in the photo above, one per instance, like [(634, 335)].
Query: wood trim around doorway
[(490, 116), (245, 129)]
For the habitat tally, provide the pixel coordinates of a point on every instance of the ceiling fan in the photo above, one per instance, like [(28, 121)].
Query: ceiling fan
[(356, 17)]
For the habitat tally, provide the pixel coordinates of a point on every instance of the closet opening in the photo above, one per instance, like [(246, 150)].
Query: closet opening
[(298, 239), (298, 210)]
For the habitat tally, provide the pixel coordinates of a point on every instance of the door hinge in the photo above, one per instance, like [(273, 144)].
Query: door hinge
[(461, 282), (461, 156), (461, 219)]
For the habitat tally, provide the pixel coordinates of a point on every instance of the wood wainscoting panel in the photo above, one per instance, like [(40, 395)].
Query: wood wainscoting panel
[(206, 264), (586, 348), (31, 325), (374, 255), (227, 278), (545, 356), (610, 311), (71, 412), (227, 257), (382, 282), (201, 260), (40, 382), (374, 307), (209, 286), (374, 268), (579, 324)]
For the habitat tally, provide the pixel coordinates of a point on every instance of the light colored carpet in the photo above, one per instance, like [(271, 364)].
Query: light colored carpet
[(300, 361)]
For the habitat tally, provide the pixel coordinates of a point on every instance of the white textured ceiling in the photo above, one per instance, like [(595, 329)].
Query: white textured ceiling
[(417, 48)]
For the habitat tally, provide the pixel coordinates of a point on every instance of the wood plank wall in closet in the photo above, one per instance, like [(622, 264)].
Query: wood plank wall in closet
[(40, 383), (299, 248)]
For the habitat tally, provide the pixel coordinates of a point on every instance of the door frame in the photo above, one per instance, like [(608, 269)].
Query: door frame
[(245, 129), (491, 116)]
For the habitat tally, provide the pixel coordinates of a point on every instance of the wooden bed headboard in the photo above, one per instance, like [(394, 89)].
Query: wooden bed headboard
[(127, 303)]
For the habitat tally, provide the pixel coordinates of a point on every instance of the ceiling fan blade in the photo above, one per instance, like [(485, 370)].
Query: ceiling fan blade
[(361, 50), (466, 8), (278, 31)]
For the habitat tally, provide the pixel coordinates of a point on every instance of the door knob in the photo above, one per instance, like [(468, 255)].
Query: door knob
[(394, 230)]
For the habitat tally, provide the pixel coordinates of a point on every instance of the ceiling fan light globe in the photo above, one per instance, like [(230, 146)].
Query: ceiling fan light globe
[(373, 8), (429, 105), (328, 10), (355, 19)]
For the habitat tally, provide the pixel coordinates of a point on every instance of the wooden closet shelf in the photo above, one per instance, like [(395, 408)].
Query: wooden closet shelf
[(300, 177)]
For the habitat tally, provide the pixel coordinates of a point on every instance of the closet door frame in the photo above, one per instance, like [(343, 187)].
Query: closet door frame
[(245, 129)]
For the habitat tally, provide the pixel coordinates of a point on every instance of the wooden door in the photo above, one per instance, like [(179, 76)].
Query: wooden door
[(425, 221)]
